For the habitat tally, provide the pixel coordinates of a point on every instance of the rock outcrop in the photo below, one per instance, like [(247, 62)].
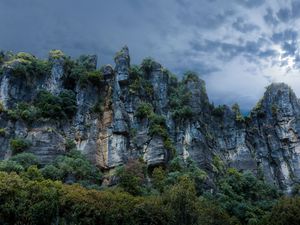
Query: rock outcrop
[(106, 128)]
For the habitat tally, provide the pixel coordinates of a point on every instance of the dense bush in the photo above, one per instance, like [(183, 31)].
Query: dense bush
[(176, 196), (24, 111), (58, 107), (83, 71), (144, 110), (246, 197), (179, 98), (286, 211), (11, 166), (25, 160), (190, 76), (218, 111), (73, 167), (147, 64), (132, 176), (18, 145), (95, 77), (30, 67), (139, 84), (2, 132)]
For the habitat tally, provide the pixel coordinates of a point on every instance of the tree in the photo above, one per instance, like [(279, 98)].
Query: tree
[(181, 199), (25, 159), (131, 177), (286, 211), (158, 179)]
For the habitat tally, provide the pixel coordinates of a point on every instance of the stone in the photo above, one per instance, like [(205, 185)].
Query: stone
[(122, 61)]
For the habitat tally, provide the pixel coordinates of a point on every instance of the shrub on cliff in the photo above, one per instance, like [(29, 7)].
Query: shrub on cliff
[(30, 67), (62, 106), (144, 110), (190, 76), (18, 145), (179, 98), (147, 64)]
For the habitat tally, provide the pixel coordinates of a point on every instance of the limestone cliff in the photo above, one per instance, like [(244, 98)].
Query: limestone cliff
[(143, 112)]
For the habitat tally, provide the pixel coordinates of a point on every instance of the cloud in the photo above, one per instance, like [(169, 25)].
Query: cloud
[(251, 3), (284, 14), (239, 46), (242, 26), (269, 18)]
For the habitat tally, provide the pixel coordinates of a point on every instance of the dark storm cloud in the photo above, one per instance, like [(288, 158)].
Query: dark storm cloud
[(202, 35)]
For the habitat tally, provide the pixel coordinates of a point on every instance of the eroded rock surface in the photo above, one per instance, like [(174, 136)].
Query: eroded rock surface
[(106, 129)]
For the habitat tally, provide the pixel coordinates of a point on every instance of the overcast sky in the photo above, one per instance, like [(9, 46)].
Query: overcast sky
[(237, 46)]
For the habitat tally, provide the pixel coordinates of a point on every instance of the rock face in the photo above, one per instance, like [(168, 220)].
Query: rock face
[(274, 134), (106, 128)]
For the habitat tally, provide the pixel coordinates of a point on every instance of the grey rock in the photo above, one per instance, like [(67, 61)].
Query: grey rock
[(122, 61)]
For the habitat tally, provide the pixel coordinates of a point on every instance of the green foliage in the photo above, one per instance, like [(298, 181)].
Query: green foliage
[(32, 173), (286, 211), (245, 197), (30, 67), (158, 179), (2, 132), (73, 167), (56, 54), (52, 172), (99, 107), (138, 84), (158, 126), (58, 107), (2, 109), (27, 202), (18, 145), (218, 111), (25, 160), (49, 105), (147, 65), (11, 166), (70, 145), (88, 62), (2, 56), (144, 110), (131, 177), (258, 109), (238, 115), (218, 165), (24, 111), (179, 98), (29, 199), (190, 76), (67, 100), (95, 77), (82, 71)]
